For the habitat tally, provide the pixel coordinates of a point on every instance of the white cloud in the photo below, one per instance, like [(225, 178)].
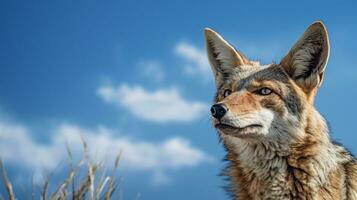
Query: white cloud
[(17, 147), (197, 61), (164, 105), (152, 70)]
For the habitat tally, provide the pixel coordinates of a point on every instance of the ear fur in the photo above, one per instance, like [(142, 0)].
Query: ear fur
[(222, 56), (306, 61)]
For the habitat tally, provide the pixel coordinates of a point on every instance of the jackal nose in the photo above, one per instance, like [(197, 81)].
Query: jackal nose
[(218, 110)]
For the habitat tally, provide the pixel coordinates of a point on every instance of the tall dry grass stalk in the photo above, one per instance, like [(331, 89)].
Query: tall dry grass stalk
[(94, 185), (7, 182)]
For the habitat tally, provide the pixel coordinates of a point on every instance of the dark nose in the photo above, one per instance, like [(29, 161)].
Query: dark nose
[(218, 110)]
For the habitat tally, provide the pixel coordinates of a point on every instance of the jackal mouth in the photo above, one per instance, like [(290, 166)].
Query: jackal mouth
[(238, 131)]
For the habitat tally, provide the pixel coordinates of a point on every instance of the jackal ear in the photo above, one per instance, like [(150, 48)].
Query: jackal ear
[(307, 59), (222, 56)]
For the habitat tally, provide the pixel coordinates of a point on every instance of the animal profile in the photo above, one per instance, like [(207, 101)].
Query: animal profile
[(278, 145)]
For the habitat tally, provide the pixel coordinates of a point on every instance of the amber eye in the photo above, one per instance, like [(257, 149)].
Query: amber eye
[(264, 91), (227, 93)]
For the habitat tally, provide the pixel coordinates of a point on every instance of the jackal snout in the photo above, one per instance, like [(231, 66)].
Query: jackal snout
[(218, 111)]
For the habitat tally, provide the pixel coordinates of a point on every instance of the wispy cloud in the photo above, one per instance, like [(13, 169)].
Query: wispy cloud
[(17, 147), (195, 58), (152, 70), (163, 105)]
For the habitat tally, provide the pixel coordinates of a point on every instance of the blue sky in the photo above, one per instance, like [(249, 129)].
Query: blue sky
[(133, 76)]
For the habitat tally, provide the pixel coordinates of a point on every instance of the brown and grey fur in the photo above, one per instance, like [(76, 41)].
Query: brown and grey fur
[(278, 145)]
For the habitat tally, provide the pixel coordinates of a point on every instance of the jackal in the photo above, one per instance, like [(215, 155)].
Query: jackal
[(278, 145)]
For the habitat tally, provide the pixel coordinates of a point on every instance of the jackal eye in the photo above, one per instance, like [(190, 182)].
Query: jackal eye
[(264, 91), (227, 92)]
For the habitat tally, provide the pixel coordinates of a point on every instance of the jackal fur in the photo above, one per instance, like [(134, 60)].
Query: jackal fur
[(278, 145)]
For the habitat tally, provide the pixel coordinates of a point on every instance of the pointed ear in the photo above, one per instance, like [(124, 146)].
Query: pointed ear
[(306, 61), (222, 56)]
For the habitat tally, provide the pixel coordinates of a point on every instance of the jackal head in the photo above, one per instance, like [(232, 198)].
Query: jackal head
[(255, 102)]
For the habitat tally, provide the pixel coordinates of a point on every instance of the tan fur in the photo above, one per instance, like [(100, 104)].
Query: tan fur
[(235, 101), (278, 145), (298, 173)]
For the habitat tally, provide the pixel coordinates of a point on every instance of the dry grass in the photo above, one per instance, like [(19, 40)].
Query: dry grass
[(95, 184)]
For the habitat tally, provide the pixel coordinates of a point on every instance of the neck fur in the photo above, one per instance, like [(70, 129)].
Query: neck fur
[(278, 168)]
